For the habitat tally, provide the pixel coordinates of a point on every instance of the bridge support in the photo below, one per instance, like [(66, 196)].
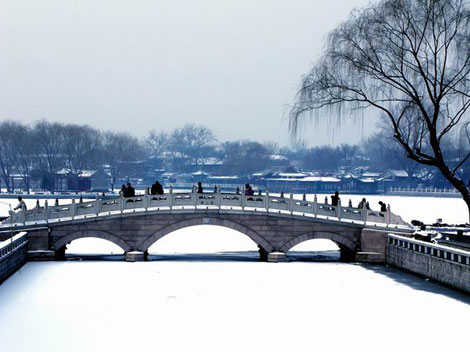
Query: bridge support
[(263, 254), (135, 256), (59, 254), (277, 257), (346, 255)]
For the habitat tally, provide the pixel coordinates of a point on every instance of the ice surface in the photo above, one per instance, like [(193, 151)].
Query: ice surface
[(223, 305), (226, 306)]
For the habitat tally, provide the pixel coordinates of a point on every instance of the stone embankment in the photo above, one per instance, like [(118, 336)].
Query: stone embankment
[(13, 255), (443, 264)]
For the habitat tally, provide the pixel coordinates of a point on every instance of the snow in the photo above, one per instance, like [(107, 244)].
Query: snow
[(230, 306), (216, 304)]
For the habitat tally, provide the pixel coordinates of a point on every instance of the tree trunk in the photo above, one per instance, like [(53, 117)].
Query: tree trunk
[(458, 184)]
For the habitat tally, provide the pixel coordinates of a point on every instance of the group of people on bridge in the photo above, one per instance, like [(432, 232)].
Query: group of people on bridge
[(363, 204)]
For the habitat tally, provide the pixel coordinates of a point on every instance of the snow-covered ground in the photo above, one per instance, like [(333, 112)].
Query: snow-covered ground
[(209, 303), (227, 306)]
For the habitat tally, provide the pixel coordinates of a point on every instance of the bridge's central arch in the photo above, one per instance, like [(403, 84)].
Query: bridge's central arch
[(205, 242), (220, 223)]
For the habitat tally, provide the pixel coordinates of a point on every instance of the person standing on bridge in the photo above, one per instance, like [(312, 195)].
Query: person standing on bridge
[(130, 191), (21, 204), (249, 190), (199, 188), (383, 207), (363, 204), (335, 199), (159, 188), (153, 189)]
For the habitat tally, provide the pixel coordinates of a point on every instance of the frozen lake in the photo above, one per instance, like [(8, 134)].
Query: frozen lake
[(226, 300)]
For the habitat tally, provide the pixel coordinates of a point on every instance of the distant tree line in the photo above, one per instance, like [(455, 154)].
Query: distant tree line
[(38, 151)]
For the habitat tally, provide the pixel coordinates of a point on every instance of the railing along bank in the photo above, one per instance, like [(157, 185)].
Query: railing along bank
[(227, 201), (434, 250), (11, 245)]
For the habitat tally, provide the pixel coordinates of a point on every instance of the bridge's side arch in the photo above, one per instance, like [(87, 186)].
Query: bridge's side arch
[(105, 235), (341, 241), (253, 235)]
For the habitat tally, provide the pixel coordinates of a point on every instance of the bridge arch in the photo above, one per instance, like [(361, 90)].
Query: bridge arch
[(61, 242), (342, 241), (253, 235)]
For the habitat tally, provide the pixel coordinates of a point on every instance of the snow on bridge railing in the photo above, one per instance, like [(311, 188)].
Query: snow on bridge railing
[(180, 201)]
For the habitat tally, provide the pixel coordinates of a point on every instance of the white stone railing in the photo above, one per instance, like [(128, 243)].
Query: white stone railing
[(431, 249), (180, 201), (425, 190)]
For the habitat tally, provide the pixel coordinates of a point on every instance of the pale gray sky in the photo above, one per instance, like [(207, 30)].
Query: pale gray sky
[(233, 65)]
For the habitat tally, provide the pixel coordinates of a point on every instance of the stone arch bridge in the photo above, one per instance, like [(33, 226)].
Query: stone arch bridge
[(275, 224)]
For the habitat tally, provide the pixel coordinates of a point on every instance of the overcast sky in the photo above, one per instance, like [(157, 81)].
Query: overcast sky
[(233, 65)]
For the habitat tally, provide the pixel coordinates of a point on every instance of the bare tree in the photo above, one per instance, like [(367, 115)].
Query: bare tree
[(49, 139), (244, 157), (348, 152), (81, 147), (119, 149), (7, 153), (191, 142), (157, 143), (21, 137), (408, 60)]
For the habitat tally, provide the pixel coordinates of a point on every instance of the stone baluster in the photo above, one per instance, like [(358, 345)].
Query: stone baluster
[(291, 203), (326, 200), (266, 201), (350, 204), (388, 215), (122, 203), (243, 199), (36, 210), (218, 198), (194, 198), (23, 213), (315, 206), (73, 209), (97, 206), (338, 210), (171, 197), (46, 211), (146, 199), (365, 212)]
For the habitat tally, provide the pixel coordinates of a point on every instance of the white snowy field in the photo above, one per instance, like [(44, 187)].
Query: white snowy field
[(211, 303)]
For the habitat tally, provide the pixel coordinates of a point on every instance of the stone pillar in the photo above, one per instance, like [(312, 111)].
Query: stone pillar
[(263, 254), (277, 257), (59, 254), (346, 255), (136, 256)]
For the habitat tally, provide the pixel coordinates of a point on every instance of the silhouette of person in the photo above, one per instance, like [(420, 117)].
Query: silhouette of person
[(335, 199)]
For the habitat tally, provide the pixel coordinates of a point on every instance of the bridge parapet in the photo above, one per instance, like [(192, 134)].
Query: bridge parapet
[(185, 201)]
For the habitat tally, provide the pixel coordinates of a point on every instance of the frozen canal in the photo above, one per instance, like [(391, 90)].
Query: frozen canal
[(229, 301)]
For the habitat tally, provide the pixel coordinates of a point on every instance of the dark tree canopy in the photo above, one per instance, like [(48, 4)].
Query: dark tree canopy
[(410, 61)]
